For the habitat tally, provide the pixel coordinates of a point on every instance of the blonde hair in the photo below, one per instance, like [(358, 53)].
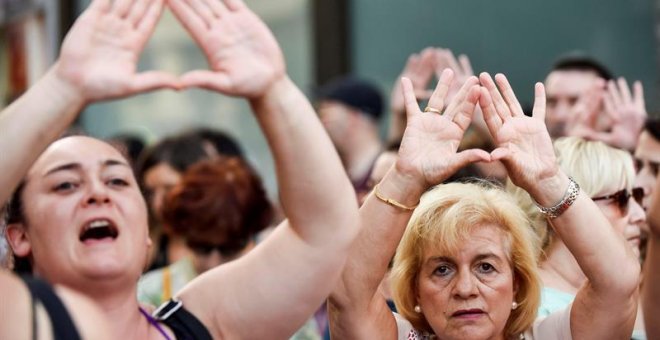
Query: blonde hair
[(597, 167), (443, 221)]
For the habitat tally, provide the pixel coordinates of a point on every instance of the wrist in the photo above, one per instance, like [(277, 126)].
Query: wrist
[(401, 188), (277, 90), (63, 88), (550, 191)]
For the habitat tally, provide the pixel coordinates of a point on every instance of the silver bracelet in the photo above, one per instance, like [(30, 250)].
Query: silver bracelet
[(569, 197)]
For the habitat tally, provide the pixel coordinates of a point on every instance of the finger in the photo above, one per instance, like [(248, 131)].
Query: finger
[(208, 80), (188, 18), (465, 64), (202, 11), (411, 64), (610, 109), (460, 97), (426, 56), (154, 80), (465, 112), (412, 107), (103, 6), (425, 68), (538, 111), (217, 7), (453, 63), (624, 90), (151, 17), (500, 154), (492, 119), (121, 7), (501, 107), (509, 96), (439, 95), (638, 94), (235, 5), (138, 11), (469, 156), (614, 94), (592, 100), (439, 62)]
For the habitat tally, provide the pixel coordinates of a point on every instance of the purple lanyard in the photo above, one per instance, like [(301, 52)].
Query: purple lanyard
[(154, 323)]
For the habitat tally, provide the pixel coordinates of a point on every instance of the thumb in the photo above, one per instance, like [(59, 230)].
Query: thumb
[(466, 157), (500, 154), (209, 80), (154, 80)]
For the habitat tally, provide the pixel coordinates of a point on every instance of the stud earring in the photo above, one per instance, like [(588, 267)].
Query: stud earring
[(514, 305), (417, 309)]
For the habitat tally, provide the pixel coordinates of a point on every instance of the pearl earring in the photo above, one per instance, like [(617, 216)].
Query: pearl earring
[(514, 305), (417, 309)]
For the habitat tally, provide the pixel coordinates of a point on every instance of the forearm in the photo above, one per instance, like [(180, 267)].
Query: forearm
[(32, 122), (382, 227), (604, 257), (316, 195)]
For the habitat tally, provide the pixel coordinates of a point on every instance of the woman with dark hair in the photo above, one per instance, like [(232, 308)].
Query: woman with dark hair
[(81, 221)]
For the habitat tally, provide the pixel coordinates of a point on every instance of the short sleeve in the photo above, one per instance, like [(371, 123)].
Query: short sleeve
[(554, 326)]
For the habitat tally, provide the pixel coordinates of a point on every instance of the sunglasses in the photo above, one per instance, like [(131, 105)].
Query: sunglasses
[(226, 250), (622, 198)]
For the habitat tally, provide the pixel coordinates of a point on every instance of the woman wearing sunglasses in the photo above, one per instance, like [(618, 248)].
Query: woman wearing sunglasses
[(607, 175)]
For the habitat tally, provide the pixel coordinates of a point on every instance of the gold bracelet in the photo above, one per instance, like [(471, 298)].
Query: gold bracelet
[(391, 201)]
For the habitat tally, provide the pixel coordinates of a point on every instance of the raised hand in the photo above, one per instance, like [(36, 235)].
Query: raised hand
[(100, 54), (419, 69), (523, 143), (429, 145), (628, 114), (583, 120), (243, 55)]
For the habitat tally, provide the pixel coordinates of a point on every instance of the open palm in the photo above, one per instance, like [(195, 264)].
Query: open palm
[(100, 54), (429, 144), (243, 55), (523, 143)]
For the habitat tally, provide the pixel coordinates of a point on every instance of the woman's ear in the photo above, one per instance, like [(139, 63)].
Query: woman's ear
[(18, 239), (516, 284)]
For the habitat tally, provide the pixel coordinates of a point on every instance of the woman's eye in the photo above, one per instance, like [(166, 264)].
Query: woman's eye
[(64, 186), (442, 270), (486, 267), (118, 182)]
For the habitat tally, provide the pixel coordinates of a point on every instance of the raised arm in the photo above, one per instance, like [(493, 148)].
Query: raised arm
[(606, 306), (273, 290), (98, 61), (427, 156), (651, 286)]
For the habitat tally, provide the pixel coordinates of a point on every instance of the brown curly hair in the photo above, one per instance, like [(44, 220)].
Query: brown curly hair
[(219, 201)]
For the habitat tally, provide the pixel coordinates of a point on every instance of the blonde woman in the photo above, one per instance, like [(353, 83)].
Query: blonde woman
[(465, 268)]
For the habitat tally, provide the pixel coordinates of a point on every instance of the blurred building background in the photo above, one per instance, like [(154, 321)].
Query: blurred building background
[(325, 38)]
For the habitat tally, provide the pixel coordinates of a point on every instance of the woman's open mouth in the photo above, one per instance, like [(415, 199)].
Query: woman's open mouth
[(98, 230)]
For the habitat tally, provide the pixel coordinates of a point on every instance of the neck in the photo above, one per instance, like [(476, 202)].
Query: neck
[(561, 271), (122, 313), (360, 155), (177, 249)]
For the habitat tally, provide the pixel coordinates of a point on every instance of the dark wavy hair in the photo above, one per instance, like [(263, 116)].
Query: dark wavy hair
[(218, 202)]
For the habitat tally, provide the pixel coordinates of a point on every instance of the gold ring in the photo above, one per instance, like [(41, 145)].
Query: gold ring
[(432, 109)]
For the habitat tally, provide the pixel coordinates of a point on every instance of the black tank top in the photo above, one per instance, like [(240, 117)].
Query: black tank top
[(61, 322)]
